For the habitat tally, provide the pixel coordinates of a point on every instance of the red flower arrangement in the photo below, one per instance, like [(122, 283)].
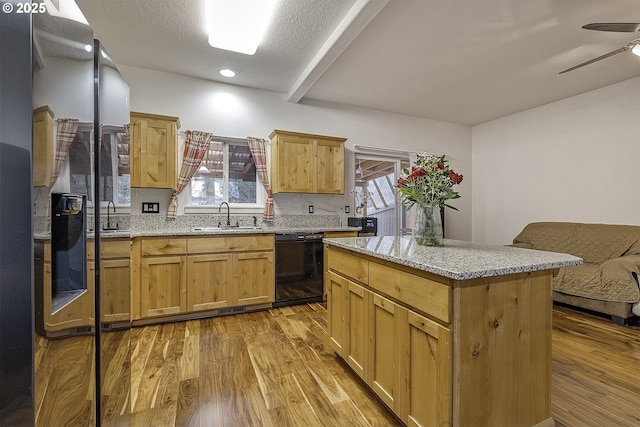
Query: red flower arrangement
[(430, 182)]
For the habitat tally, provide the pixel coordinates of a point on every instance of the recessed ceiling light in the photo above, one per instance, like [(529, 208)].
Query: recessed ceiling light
[(88, 47), (636, 49), (238, 25), (227, 72)]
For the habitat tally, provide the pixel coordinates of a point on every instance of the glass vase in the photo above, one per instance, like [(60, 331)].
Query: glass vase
[(427, 226)]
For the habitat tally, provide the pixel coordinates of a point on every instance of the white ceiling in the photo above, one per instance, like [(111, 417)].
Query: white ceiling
[(461, 61)]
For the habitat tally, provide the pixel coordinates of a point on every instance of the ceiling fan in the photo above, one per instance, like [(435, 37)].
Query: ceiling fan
[(618, 27)]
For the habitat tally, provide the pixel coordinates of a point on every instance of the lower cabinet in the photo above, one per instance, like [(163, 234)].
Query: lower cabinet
[(163, 291), (195, 274), (208, 282), (115, 279), (253, 277), (403, 356)]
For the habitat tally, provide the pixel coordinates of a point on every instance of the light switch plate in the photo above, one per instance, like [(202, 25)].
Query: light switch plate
[(150, 207)]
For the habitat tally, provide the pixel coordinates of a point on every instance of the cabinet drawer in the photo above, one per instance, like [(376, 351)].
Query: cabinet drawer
[(164, 246), (352, 266), (115, 249), (337, 234), (426, 295), (200, 245)]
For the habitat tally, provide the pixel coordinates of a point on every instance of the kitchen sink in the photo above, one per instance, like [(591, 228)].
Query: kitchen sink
[(226, 227), (113, 231)]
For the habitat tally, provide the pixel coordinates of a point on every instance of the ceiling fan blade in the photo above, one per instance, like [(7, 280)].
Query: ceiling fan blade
[(622, 27), (591, 61)]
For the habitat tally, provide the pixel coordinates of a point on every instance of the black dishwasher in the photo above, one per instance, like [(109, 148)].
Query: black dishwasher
[(299, 265)]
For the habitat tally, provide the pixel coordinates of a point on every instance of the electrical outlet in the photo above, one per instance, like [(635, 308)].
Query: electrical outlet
[(310, 209), (347, 209), (150, 207)]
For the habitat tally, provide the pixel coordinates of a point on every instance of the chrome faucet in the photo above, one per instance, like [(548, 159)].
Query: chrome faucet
[(228, 213), (108, 226)]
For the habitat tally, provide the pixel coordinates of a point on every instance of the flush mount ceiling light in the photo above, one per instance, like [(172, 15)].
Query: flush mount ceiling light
[(228, 73), (238, 25)]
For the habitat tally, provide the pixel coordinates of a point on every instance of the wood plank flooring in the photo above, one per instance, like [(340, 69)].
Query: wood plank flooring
[(276, 368)]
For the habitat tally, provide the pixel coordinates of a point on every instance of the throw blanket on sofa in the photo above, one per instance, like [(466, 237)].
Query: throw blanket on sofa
[(611, 255)]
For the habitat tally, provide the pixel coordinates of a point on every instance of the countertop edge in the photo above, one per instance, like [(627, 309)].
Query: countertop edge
[(418, 257)]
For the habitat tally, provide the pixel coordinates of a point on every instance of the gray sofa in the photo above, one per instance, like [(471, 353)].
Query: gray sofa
[(607, 282)]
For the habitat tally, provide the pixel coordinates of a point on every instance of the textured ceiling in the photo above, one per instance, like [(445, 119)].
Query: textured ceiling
[(462, 61)]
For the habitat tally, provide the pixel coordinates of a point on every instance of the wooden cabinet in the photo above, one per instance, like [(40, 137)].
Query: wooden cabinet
[(386, 339), (163, 291), (196, 274), (115, 280), (338, 234), (403, 356), (253, 277), (158, 277), (228, 271), (42, 146), (428, 368), (329, 174), (208, 281), (154, 144), (306, 163), (443, 351)]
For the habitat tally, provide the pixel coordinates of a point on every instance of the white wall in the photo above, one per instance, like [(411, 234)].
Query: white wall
[(233, 111), (573, 160), (66, 86)]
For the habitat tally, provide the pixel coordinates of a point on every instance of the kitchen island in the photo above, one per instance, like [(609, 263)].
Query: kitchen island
[(454, 335)]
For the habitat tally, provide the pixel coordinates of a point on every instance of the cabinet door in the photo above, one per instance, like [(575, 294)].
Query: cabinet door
[(253, 278), (163, 286), (295, 163), (208, 284), (358, 327), (387, 320), (337, 291), (429, 372), (153, 153), (42, 146), (115, 280), (329, 177)]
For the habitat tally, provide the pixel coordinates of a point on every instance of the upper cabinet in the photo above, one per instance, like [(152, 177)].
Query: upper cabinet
[(154, 143), (306, 163), (42, 146)]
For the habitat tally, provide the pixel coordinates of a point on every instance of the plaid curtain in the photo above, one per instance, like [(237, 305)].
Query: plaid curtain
[(196, 145), (259, 154), (67, 129)]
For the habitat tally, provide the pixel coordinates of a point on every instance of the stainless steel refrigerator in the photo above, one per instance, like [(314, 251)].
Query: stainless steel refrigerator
[(16, 240)]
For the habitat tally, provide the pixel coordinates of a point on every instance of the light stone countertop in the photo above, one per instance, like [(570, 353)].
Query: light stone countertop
[(212, 231), (208, 232), (456, 259)]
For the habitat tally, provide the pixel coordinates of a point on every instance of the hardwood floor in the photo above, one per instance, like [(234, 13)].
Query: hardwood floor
[(276, 368), (595, 371)]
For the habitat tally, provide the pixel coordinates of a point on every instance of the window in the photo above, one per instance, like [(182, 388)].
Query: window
[(114, 163), (227, 173)]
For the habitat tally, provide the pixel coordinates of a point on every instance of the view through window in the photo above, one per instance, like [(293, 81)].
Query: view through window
[(227, 174)]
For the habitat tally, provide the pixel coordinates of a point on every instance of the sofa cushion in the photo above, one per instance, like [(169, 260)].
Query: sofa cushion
[(594, 243), (610, 281)]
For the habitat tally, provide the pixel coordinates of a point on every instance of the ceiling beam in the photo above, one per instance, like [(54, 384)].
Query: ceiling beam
[(358, 17)]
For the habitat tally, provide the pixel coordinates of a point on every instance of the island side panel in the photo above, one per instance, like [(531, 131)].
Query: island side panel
[(502, 343)]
